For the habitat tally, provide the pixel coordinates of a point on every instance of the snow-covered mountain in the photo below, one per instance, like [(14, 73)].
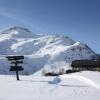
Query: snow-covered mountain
[(48, 52)]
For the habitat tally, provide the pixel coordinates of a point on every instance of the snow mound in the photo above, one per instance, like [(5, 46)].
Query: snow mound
[(56, 80)]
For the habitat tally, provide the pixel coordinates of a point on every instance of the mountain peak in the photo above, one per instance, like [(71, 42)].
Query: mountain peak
[(15, 28), (19, 32), (19, 28)]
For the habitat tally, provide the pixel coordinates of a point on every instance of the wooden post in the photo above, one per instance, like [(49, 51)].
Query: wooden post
[(17, 74)]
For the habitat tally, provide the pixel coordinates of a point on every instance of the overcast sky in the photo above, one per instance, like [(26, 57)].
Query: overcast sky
[(78, 19)]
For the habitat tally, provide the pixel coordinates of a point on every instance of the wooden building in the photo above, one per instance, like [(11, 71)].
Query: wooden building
[(80, 65)]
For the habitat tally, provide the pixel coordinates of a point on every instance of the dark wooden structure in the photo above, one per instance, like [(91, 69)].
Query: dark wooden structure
[(16, 62), (80, 65), (51, 74)]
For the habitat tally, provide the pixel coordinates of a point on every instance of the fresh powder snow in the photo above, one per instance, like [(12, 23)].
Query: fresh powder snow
[(77, 86)]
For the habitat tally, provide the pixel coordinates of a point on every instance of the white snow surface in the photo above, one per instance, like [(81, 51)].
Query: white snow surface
[(42, 52), (77, 86), (46, 53)]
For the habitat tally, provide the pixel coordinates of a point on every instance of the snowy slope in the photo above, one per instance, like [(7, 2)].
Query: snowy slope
[(77, 86), (48, 52)]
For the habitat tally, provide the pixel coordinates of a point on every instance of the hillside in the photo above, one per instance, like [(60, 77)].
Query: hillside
[(49, 52)]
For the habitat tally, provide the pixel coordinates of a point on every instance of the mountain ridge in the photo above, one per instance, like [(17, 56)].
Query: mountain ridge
[(49, 52)]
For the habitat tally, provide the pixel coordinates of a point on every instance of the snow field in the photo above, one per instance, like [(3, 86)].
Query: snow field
[(77, 86)]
